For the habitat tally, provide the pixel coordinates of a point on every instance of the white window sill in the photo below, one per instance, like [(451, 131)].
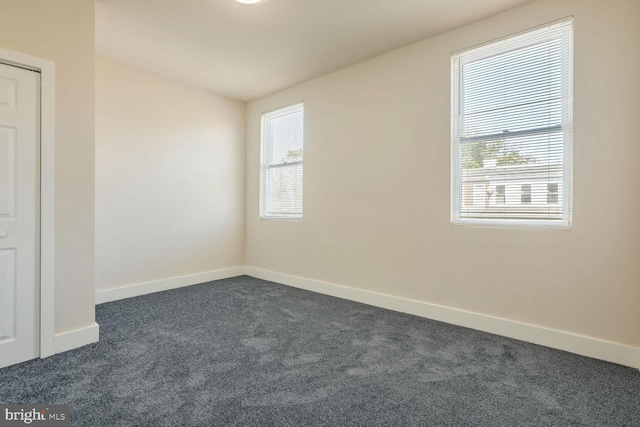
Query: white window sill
[(512, 224), (282, 218)]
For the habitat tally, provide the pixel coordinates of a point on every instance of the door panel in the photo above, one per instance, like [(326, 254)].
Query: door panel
[(7, 294), (19, 214), (7, 172), (8, 96)]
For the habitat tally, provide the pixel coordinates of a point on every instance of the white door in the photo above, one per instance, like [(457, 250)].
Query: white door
[(19, 214)]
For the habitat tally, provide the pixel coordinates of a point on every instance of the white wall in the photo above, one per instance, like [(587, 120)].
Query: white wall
[(377, 179), (169, 178), (63, 31)]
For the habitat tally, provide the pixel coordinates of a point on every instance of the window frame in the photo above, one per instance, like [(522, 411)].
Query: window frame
[(265, 166), (566, 128)]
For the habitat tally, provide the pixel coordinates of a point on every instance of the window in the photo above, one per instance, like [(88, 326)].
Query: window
[(282, 153), (552, 193), (525, 194), (512, 129), (500, 195)]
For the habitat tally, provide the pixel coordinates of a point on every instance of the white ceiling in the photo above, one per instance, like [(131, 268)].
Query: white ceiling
[(248, 51)]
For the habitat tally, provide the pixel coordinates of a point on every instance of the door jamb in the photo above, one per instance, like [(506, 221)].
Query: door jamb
[(46, 69)]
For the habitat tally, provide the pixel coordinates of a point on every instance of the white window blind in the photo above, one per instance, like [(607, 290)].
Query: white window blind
[(512, 129), (282, 155)]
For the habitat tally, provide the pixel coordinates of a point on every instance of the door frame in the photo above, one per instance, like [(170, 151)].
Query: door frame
[(46, 69)]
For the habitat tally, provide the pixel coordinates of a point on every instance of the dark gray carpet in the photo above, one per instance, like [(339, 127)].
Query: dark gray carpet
[(244, 351)]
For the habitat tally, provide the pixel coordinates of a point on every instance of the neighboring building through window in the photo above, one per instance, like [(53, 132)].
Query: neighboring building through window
[(525, 194), (512, 129), (282, 155), (500, 195), (552, 193)]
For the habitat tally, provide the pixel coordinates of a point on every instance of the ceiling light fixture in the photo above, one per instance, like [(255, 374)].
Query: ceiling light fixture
[(248, 1)]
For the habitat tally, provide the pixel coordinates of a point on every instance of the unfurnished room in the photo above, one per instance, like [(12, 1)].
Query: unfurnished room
[(319, 213)]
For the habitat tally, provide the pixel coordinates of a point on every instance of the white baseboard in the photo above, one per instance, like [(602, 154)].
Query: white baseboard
[(77, 338), (129, 291), (561, 340)]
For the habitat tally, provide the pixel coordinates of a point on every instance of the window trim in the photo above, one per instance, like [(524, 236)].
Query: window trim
[(566, 127), (265, 148)]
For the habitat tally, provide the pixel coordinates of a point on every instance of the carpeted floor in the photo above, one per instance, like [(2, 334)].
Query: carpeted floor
[(244, 351)]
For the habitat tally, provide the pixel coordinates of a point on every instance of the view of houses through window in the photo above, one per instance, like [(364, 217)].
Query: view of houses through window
[(508, 179)]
